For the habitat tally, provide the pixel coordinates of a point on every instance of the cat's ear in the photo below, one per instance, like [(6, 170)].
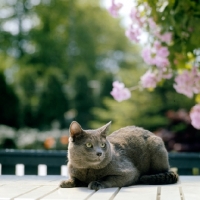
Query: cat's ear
[(105, 129), (75, 129)]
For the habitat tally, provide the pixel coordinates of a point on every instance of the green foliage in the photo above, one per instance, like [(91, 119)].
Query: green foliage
[(64, 54), (182, 19), (53, 101)]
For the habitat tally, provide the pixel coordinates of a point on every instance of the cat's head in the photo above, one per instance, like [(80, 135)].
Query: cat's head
[(89, 148)]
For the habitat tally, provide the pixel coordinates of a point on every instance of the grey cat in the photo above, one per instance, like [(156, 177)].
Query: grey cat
[(128, 156)]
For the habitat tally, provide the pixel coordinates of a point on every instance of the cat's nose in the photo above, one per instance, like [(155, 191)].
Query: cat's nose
[(99, 154)]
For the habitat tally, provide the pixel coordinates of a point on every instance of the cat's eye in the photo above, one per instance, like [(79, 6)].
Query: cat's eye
[(103, 145), (88, 145)]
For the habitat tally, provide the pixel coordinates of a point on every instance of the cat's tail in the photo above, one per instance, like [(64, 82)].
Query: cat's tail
[(168, 177)]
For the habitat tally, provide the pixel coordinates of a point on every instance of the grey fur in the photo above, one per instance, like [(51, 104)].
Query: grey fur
[(131, 155)]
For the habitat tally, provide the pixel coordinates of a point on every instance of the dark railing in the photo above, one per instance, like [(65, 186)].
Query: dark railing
[(186, 163), (31, 159)]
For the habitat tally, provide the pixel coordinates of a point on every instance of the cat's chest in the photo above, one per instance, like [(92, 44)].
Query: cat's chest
[(88, 175)]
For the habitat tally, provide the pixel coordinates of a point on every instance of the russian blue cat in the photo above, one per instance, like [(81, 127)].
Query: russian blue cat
[(128, 156)]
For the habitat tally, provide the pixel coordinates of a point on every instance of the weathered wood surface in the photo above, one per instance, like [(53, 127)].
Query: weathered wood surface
[(46, 188)]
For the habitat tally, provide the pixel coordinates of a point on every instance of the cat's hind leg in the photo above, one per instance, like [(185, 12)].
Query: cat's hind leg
[(159, 172), (158, 156)]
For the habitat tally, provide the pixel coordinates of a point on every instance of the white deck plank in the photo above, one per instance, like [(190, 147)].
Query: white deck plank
[(7, 179), (58, 180), (8, 192), (190, 180), (137, 193), (37, 193), (191, 192), (69, 194), (38, 180), (47, 188), (170, 192), (104, 194)]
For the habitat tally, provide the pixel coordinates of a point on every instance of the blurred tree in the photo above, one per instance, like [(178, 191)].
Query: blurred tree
[(9, 104), (53, 101), (67, 53), (83, 99), (26, 85)]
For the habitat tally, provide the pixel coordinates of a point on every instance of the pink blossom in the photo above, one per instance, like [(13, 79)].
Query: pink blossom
[(152, 24), (183, 84), (161, 62), (147, 56), (188, 83), (162, 51), (133, 33), (120, 92), (161, 54), (149, 80), (195, 116), (114, 8), (157, 55), (157, 44), (135, 16), (166, 37)]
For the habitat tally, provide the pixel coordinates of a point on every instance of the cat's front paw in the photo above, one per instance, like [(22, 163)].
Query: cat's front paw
[(95, 185), (67, 184)]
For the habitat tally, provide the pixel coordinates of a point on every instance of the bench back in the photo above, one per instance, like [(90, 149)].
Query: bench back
[(34, 162)]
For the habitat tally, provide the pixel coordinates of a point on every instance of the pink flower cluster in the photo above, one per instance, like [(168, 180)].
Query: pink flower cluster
[(114, 8), (139, 23), (157, 55), (120, 92), (133, 33), (155, 30), (135, 29), (188, 83), (150, 79), (195, 116), (136, 17), (166, 37)]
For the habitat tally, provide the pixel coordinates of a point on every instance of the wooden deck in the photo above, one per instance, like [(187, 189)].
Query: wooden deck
[(46, 188)]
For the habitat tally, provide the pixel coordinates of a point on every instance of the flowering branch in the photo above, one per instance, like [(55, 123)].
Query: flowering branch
[(134, 88), (161, 52)]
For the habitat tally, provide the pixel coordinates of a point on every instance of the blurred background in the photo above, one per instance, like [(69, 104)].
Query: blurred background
[(58, 60)]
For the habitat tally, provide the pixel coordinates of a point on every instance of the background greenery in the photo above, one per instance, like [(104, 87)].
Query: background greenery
[(58, 62)]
